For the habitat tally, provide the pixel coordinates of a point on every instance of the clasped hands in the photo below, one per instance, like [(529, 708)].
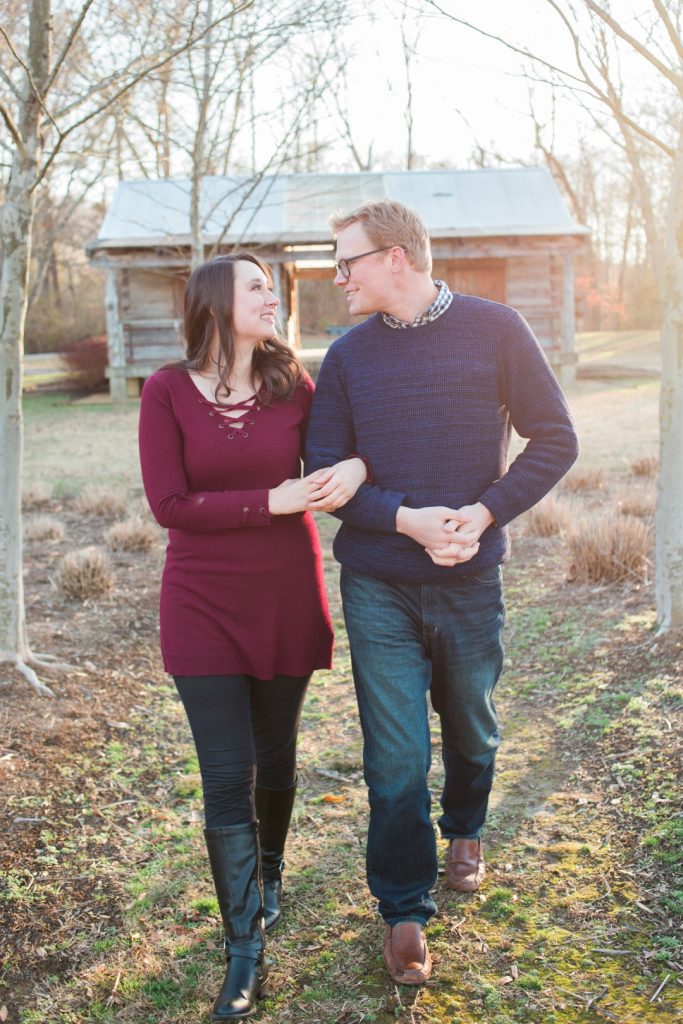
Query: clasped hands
[(323, 491), (448, 535)]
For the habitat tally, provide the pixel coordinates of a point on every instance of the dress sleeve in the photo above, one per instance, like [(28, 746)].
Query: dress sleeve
[(173, 503)]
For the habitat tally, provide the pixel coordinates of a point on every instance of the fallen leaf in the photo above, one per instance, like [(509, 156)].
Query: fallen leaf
[(3, 1012), (333, 798)]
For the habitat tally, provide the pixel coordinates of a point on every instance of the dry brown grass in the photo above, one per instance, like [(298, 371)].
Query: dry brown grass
[(550, 517), (43, 528), (584, 480), (101, 501), (37, 494), (85, 573), (608, 548), (637, 500), (134, 534), (648, 466)]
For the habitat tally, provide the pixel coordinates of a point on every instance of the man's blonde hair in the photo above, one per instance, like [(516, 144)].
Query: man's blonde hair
[(390, 223)]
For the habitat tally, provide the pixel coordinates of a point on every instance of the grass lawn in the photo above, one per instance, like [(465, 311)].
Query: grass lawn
[(107, 911)]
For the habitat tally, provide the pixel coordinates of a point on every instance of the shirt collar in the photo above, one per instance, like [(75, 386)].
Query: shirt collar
[(438, 306)]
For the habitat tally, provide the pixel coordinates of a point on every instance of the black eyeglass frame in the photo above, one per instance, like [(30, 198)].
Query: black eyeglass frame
[(344, 265)]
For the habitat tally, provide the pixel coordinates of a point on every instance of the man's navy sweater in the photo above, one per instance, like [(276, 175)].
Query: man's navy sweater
[(431, 408)]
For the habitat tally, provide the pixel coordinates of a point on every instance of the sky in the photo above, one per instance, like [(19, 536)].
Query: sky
[(467, 89)]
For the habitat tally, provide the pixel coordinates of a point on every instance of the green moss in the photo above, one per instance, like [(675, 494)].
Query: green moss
[(207, 905), (498, 904), (530, 982)]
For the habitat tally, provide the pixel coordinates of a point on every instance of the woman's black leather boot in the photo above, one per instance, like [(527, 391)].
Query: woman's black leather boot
[(234, 859), (274, 811)]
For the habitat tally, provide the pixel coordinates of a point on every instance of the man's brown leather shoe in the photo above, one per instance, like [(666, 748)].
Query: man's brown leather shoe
[(465, 866), (405, 953)]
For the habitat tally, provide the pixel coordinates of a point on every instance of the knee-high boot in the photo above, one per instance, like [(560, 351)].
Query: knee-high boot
[(274, 811), (234, 859)]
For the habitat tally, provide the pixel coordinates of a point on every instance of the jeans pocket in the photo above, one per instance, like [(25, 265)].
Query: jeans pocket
[(487, 577)]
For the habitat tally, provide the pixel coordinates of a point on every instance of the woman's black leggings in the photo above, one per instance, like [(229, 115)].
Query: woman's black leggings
[(244, 729)]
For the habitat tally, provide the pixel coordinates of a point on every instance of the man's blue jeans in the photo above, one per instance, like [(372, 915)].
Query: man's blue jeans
[(408, 641)]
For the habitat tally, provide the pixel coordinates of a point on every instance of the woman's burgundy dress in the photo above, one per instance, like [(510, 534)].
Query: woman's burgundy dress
[(242, 591)]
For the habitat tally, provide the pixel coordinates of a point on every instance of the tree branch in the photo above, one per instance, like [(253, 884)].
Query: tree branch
[(12, 128), (505, 43), (635, 44), (27, 71), (140, 66), (609, 98), (147, 69), (75, 28), (670, 27)]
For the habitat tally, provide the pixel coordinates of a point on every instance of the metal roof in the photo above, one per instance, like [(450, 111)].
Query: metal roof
[(294, 208)]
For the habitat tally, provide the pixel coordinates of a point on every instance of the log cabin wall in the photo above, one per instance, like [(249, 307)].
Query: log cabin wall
[(531, 283), (530, 291), (151, 314)]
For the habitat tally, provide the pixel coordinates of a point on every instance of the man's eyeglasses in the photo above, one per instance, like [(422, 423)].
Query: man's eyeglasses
[(344, 266)]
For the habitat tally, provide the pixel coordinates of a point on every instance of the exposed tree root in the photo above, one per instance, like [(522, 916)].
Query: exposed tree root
[(50, 662), (28, 673), (27, 662)]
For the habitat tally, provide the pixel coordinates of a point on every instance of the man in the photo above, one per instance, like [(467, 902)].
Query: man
[(427, 389)]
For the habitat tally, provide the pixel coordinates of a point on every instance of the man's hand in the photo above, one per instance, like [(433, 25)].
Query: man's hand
[(336, 485), (431, 527), (464, 543)]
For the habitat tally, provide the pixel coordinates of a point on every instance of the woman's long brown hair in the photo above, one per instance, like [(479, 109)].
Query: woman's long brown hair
[(209, 302)]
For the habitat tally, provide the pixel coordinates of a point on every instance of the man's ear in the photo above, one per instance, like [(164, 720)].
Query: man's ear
[(398, 259)]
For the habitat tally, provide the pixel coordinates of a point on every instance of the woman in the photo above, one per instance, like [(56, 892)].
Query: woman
[(244, 619)]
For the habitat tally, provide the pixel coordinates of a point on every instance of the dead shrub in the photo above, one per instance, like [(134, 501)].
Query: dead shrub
[(648, 466), (84, 573), (550, 517), (138, 508), (87, 360), (101, 501), (584, 480), (134, 534), (608, 548), (36, 494), (43, 528), (637, 500)]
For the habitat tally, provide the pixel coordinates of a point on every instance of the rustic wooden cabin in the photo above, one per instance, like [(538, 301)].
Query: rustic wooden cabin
[(505, 234)]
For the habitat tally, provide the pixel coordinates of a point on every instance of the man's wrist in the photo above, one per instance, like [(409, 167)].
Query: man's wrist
[(403, 517), (488, 518)]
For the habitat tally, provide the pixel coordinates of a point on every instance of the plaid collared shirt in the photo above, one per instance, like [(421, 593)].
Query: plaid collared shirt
[(438, 306)]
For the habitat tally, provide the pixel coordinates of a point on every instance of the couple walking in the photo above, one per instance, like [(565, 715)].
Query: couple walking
[(406, 443)]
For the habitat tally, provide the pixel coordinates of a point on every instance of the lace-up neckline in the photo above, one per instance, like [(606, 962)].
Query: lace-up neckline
[(234, 418)]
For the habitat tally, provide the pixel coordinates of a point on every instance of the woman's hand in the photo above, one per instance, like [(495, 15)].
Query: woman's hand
[(291, 496), (336, 485)]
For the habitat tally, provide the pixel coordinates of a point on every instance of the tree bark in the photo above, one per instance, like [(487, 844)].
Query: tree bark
[(669, 544), (198, 152)]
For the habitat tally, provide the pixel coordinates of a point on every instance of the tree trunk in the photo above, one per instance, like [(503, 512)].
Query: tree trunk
[(15, 237), (15, 241), (669, 558), (198, 152)]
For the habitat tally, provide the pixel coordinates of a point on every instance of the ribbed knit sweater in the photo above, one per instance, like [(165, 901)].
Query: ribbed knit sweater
[(432, 409)]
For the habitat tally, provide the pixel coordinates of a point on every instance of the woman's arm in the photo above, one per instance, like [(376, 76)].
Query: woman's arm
[(174, 504)]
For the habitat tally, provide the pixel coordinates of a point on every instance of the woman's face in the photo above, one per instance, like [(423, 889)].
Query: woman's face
[(254, 304)]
